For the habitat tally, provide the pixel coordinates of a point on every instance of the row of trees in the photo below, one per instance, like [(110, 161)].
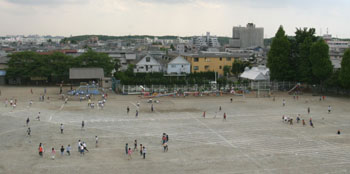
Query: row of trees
[(54, 67), (305, 58)]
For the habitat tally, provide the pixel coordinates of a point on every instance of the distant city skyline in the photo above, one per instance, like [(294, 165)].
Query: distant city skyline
[(170, 17)]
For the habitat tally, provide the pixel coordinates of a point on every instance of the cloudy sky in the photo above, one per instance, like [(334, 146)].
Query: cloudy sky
[(170, 17)]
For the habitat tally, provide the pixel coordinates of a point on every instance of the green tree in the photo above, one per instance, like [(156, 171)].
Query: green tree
[(304, 38), (59, 65), (117, 65), (21, 65), (73, 42), (321, 64), (238, 67), (344, 75), (279, 58), (172, 47), (95, 59), (305, 67), (227, 70)]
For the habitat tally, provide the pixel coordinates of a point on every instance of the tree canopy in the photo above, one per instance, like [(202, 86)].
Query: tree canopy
[(54, 67), (321, 64), (279, 57), (344, 75)]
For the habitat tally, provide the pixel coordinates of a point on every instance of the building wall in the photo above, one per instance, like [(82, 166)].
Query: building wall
[(205, 64), (250, 36), (148, 64), (148, 68), (179, 68)]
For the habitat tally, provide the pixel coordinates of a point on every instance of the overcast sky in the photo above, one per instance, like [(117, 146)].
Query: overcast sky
[(170, 17)]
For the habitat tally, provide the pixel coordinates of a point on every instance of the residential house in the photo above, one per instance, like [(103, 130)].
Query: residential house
[(148, 64), (179, 65), (209, 61)]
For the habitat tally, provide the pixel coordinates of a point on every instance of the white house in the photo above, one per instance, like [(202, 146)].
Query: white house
[(148, 64), (179, 66)]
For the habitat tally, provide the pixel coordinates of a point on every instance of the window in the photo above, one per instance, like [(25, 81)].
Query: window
[(182, 66), (195, 60), (207, 59), (206, 67), (228, 58), (173, 66), (150, 66), (220, 67), (106, 81), (220, 58), (195, 68), (148, 59)]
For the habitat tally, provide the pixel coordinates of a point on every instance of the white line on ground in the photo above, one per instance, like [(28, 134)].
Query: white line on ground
[(62, 106), (228, 142)]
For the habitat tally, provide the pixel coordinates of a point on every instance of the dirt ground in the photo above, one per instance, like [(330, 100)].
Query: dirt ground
[(253, 139)]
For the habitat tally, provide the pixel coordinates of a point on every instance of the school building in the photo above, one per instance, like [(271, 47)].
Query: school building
[(209, 61)]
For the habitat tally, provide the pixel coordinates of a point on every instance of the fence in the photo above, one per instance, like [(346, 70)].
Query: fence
[(254, 86)]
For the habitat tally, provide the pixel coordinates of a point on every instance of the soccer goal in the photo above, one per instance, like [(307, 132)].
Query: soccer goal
[(263, 93)]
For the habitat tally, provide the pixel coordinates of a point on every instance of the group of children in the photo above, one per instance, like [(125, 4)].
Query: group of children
[(289, 120), (101, 103), (81, 149), (13, 102), (224, 115), (129, 152), (298, 119)]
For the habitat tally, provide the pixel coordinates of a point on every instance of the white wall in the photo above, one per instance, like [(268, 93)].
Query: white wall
[(179, 68)]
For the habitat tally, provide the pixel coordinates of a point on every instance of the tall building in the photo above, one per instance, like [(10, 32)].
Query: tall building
[(249, 36), (205, 41)]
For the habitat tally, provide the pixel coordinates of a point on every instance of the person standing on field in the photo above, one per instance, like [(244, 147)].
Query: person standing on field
[(61, 128), (126, 148), (96, 141), (41, 150), (53, 153), (144, 152), (141, 149), (62, 150), (129, 154), (68, 149)]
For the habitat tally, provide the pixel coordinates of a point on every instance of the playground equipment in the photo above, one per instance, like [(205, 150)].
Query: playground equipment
[(85, 89), (295, 88)]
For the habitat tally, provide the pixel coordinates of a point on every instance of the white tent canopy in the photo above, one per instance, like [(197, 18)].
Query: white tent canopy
[(256, 73)]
